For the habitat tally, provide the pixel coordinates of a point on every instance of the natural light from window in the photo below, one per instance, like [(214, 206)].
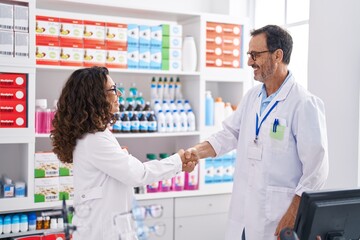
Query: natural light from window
[(294, 16)]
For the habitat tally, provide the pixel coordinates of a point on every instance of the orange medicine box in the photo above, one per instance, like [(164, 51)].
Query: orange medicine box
[(94, 55), (47, 52), (47, 28), (71, 54), (94, 32), (116, 36), (10, 80), (71, 30)]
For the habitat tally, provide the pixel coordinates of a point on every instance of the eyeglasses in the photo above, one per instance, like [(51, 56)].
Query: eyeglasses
[(254, 54), (144, 231), (113, 89), (139, 213)]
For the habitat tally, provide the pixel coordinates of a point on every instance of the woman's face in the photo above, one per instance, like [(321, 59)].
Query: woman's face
[(112, 95)]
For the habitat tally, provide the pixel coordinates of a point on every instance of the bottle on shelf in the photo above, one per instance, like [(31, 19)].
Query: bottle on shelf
[(178, 90), (140, 99), (52, 114), (160, 89), (165, 90), (171, 89), (178, 182), (157, 107), (169, 121), (189, 55), (134, 123), (153, 92), (133, 90), (179, 105), (24, 223), (191, 121), (40, 116), (143, 123), (187, 105), (116, 128), (1, 225), (165, 185), (172, 106), (177, 121), (192, 179), (161, 123), (147, 107), (219, 111), (7, 224), (39, 223), (183, 121), (165, 106), (32, 221), (152, 122), (125, 123), (15, 223), (209, 109), (139, 106), (53, 223), (154, 187), (121, 88)]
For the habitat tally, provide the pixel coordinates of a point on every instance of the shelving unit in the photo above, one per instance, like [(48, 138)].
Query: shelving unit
[(47, 82)]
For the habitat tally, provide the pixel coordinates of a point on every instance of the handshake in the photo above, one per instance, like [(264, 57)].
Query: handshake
[(189, 158)]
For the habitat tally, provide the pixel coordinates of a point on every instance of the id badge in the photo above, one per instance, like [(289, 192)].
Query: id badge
[(254, 151)]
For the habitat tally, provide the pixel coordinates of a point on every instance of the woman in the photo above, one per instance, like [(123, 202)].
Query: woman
[(104, 173)]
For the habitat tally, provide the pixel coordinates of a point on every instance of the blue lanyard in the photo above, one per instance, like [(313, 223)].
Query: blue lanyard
[(257, 127)]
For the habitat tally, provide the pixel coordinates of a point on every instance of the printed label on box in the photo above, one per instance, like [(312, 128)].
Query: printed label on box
[(46, 189), (116, 36), (13, 80), (47, 27), (116, 59), (47, 53), (66, 188), (46, 165)]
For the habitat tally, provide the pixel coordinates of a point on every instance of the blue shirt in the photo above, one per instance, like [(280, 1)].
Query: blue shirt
[(267, 99)]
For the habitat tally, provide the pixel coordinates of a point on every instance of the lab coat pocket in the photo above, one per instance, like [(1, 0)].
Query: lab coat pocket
[(278, 200), (279, 134)]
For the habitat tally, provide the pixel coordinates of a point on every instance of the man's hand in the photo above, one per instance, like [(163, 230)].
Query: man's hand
[(189, 159), (288, 220)]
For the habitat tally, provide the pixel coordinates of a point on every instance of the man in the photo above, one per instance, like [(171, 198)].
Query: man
[(279, 132)]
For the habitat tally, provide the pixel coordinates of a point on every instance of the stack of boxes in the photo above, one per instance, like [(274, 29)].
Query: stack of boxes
[(13, 100), (171, 47), (53, 179), (14, 31), (75, 42), (223, 45)]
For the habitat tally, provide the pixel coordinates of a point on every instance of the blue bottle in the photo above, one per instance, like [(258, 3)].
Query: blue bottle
[(209, 109)]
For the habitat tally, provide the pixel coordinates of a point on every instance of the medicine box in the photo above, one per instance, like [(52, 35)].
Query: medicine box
[(47, 28), (66, 188), (144, 58), (155, 36), (171, 53), (6, 43), (21, 18), (65, 169), (21, 45), (171, 65), (133, 57), (94, 32), (171, 42), (71, 30), (94, 55), (171, 30), (6, 17), (133, 35), (155, 58), (13, 80), (46, 165), (144, 36), (116, 59), (46, 189), (116, 36), (47, 52), (71, 54)]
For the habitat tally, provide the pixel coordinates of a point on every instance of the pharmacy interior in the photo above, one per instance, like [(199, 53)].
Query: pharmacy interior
[(180, 72)]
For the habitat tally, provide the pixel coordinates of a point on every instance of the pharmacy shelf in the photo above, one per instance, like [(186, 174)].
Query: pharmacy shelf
[(142, 135), (123, 71)]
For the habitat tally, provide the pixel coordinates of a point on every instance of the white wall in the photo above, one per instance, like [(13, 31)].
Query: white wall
[(334, 75)]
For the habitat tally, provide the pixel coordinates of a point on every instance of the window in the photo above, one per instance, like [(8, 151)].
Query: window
[(294, 16)]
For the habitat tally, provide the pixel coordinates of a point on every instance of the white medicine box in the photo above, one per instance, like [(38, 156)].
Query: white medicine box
[(46, 189), (6, 17), (46, 165)]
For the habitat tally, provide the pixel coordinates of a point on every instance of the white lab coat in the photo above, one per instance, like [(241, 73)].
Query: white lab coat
[(264, 188), (104, 177)]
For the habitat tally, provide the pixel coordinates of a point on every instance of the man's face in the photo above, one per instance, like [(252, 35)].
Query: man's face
[(263, 64)]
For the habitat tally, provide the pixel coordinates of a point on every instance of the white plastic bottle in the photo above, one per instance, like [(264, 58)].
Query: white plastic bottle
[(228, 110), (177, 121), (157, 107), (209, 109), (7, 224), (153, 92), (161, 123), (166, 90), (187, 105), (172, 106), (191, 121), (189, 55), (171, 89), (178, 93), (160, 89), (24, 223), (219, 112), (179, 105), (183, 121), (169, 121), (15, 224), (165, 106)]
